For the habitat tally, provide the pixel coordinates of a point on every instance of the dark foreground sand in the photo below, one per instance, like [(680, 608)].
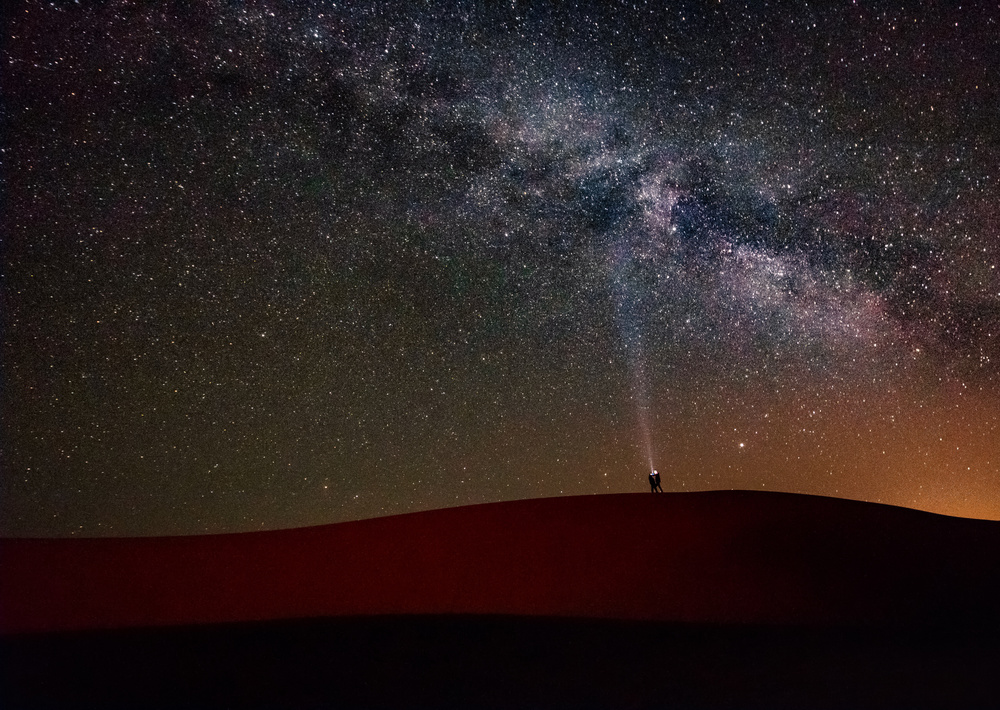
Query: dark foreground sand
[(707, 600)]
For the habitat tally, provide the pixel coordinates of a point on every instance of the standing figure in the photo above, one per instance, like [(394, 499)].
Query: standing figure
[(654, 481)]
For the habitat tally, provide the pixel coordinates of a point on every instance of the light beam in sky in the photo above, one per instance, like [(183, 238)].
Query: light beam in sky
[(628, 294), (640, 395)]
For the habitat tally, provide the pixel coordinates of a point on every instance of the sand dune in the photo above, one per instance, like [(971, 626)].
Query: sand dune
[(716, 557), (706, 600)]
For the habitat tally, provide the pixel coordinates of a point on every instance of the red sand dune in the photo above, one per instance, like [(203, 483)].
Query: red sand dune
[(742, 557)]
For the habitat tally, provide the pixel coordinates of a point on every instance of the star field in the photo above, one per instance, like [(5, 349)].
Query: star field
[(275, 264)]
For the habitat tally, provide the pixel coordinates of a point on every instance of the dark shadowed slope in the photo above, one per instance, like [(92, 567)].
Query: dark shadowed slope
[(719, 557)]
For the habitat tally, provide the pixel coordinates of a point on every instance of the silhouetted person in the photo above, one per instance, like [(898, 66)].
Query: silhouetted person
[(654, 482)]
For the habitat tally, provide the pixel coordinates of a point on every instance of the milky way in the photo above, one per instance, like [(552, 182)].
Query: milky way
[(275, 264)]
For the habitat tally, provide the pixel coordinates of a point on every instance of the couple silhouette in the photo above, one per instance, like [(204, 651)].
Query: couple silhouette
[(654, 481)]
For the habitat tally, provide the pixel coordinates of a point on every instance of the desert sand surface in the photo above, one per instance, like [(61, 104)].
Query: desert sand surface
[(715, 599)]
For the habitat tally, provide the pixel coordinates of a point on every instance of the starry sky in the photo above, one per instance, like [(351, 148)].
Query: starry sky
[(271, 264)]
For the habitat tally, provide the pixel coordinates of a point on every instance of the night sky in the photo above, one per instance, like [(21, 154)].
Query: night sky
[(274, 264)]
